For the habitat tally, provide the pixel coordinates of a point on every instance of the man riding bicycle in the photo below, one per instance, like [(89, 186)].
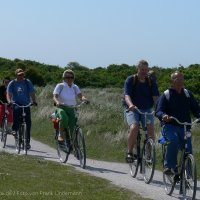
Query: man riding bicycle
[(21, 91), (140, 91), (64, 96), (177, 102)]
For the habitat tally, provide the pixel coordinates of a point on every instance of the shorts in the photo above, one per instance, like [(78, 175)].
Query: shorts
[(133, 117)]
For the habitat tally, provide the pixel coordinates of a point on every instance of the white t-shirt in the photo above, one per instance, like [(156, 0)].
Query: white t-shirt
[(66, 94)]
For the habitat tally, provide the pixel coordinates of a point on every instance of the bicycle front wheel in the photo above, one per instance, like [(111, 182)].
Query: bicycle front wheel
[(80, 148), (148, 161), (4, 132), (24, 138), (18, 140), (189, 177), (168, 180)]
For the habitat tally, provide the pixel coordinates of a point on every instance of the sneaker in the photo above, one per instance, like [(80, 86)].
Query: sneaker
[(168, 171), (60, 139), (14, 133), (130, 157), (28, 146)]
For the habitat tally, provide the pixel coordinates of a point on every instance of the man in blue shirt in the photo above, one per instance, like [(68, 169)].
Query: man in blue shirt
[(141, 93), (21, 91), (177, 102)]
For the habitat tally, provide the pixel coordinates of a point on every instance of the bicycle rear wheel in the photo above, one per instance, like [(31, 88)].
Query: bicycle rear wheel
[(80, 149), (148, 161), (189, 177), (62, 149), (4, 132)]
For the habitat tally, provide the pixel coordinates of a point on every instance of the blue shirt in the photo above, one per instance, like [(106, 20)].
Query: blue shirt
[(178, 105), (20, 91), (141, 93)]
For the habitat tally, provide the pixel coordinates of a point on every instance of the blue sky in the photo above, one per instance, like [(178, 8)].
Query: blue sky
[(101, 32)]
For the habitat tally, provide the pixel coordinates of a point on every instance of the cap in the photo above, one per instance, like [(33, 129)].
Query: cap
[(19, 72)]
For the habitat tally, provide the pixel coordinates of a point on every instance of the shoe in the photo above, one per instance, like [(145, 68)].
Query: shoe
[(130, 158), (168, 171), (14, 133), (28, 147), (60, 139)]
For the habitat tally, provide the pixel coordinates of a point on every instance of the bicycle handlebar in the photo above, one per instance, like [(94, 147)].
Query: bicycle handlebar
[(30, 104), (185, 123), (78, 105), (144, 113), (3, 102)]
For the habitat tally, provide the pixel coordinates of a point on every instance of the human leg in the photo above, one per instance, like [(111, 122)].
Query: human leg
[(171, 133), (133, 122), (61, 114)]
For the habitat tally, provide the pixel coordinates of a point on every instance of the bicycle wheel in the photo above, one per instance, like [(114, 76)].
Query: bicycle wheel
[(18, 140), (4, 132), (168, 180), (136, 163), (80, 149), (24, 138), (189, 177), (62, 149), (148, 161)]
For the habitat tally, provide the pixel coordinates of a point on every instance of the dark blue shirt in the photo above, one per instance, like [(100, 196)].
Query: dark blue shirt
[(141, 93), (178, 105)]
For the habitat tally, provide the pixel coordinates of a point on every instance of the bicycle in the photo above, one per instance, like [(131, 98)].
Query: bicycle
[(77, 140), (145, 154), (186, 173), (21, 137), (4, 126)]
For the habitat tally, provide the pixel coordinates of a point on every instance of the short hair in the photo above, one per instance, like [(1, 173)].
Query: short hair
[(142, 63), (69, 71), (174, 74)]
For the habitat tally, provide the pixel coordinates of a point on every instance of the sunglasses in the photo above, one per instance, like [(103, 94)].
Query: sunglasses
[(20, 74), (68, 77)]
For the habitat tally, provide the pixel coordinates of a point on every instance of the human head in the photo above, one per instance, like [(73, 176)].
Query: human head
[(142, 68), (177, 80), (68, 76), (19, 74), (6, 80)]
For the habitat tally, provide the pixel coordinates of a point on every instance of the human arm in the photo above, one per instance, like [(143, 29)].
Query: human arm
[(161, 109)]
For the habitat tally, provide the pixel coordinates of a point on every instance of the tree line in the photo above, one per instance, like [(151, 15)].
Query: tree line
[(101, 77)]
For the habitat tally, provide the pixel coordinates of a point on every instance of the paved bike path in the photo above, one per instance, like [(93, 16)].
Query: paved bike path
[(117, 173)]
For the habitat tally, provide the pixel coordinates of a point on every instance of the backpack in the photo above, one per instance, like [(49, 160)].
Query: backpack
[(167, 94), (148, 79)]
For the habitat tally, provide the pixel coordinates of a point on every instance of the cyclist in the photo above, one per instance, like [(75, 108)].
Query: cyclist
[(177, 102), (64, 96), (3, 99), (21, 91), (142, 92)]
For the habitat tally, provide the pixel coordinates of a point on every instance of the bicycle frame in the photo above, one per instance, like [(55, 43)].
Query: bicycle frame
[(76, 139), (22, 125), (184, 155), (141, 152)]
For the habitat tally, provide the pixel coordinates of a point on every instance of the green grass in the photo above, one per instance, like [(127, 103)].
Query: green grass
[(102, 122), (27, 177)]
